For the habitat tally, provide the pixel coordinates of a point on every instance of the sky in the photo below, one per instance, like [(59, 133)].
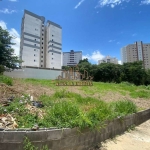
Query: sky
[(98, 28)]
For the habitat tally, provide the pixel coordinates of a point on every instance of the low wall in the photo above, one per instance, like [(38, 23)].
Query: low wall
[(34, 73), (70, 139)]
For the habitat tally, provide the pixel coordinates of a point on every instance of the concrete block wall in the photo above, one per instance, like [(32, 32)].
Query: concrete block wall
[(34, 73), (70, 139)]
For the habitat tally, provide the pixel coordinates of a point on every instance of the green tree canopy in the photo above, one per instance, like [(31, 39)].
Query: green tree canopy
[(7, 58)]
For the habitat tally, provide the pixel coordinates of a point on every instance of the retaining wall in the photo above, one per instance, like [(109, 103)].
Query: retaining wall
[(34, 73), (70, 139)]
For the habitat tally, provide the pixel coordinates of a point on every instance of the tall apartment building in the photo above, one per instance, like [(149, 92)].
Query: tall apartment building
[(41, 43), (138, 51), (71, 58), (108, 59)]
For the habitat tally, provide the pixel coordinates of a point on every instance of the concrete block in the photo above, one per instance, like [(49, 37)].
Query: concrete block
[(56, 145), (14, 136), (11, 146), (69, 141), (1, 135), (70, 132), (49, 144), (37, 136), (55, 134)]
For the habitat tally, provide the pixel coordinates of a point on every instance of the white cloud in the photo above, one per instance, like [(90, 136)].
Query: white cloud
[(145, 2), (110, 41), (111, 3), (3, 24), (7, 11), (79, 4), (13, 0), (119, 62), (95, 56), (118, 42), (15, 35)]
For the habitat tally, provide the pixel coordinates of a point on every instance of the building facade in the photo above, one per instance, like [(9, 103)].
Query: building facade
[(71, 58), (108, 59), (41, 43), (138, 51)]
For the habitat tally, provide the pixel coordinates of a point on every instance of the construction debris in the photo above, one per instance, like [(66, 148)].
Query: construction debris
[(8, 122)]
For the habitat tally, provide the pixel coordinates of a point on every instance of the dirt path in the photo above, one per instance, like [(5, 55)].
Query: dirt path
[(137, 139)]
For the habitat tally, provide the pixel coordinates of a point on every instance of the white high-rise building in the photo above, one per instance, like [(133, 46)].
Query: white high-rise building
[(108, 59), (41, 44), (71, 58), (138, 51)]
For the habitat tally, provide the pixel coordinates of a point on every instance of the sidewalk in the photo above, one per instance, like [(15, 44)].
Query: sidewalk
[(137, 139)]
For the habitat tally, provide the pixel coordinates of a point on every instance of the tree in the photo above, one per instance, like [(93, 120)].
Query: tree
[(134, 72), (7, 58)]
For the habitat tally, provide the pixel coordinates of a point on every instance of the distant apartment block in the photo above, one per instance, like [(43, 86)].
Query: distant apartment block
[(138, 51), (41, 43), (108, 59), (71, 58)]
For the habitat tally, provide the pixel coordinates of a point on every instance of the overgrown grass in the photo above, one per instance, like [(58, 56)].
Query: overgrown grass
[(42, 82), (6, 80), (123, 88), (67, 109)]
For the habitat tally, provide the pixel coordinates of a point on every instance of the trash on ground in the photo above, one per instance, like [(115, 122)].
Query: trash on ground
[(8, 122)]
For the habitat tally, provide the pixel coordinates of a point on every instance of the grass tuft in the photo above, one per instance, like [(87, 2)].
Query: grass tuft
[(6, 80)]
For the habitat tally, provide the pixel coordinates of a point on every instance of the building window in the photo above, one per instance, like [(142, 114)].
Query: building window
[(52, 44), (41, 56), (52, 58), (42, 38), (34, 49), (42, 34), (42, 47), (41, 65), (35, 39), (52, 39), (42, 42), (34, 44), (34, 60), (52, 53), (52, 35), (34, 54), (41, 60), (42, 52)]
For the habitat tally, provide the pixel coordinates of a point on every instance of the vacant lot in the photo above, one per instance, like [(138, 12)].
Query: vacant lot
[(68, 106)]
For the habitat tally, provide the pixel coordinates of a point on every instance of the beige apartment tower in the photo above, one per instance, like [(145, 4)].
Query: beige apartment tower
[(108, 59), (138, 51), (41, 43)]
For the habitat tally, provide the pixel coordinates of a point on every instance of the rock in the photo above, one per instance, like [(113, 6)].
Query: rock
[(35, 127)]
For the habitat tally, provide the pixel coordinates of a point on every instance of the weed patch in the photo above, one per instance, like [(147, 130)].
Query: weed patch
[(6, 80)]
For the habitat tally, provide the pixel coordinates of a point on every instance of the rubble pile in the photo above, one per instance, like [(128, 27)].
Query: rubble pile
[(7, 122), (7, 91)]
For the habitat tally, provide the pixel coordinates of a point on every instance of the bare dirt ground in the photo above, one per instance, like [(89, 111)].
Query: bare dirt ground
[(137, 139)]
